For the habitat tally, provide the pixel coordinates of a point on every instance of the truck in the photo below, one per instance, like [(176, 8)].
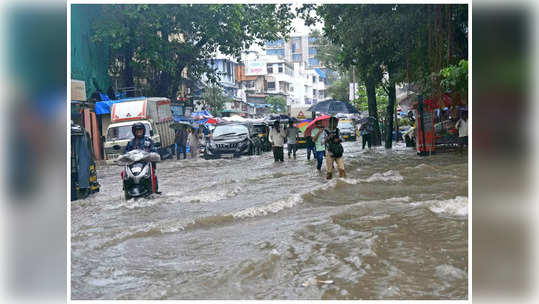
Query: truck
[(156, 115)]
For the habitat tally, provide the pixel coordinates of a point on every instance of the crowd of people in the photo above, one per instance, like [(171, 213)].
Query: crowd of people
[(322, 142)]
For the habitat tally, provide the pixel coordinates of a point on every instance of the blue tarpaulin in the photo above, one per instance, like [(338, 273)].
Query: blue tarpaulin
[(203, 113), (320, 72), (103, 107)]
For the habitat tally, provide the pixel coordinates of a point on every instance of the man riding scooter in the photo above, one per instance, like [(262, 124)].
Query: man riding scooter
[(141, 142)]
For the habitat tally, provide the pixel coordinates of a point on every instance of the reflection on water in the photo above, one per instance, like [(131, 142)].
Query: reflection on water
[(395, 228)]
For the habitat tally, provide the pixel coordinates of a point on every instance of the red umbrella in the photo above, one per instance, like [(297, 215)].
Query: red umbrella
[(325, 122)]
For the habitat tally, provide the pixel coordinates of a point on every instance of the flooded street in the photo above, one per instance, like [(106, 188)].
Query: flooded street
[(395, 228)]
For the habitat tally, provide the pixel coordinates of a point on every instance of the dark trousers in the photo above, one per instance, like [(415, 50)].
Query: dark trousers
[(309, 150), (366, 140), (319, 158), (154, 165), (278, 154), (181, 149), (292, 148)]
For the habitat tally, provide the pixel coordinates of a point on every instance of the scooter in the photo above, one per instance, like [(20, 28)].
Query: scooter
[(138, 175)]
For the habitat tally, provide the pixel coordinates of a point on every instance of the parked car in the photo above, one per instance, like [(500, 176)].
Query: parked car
[(347, 130), (233, 140)]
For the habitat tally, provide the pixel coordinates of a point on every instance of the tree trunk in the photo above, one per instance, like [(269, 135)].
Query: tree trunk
[(389, 115), (373, 110), (129, 71), (396, 123)]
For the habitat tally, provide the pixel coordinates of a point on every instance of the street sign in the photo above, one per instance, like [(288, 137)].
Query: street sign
[(78, 90)]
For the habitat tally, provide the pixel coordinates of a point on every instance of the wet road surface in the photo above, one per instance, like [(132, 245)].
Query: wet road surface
[(395, 228)]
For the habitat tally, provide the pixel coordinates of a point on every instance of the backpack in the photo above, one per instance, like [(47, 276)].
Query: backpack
[(336, 149)]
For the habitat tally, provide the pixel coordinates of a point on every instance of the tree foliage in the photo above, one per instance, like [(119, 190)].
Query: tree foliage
[(455, 77), (153, 44), (278, 103), (408, 43), (213, 99)]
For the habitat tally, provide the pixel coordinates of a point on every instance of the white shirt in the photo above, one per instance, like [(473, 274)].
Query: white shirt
[(277, 138), (463, 127)]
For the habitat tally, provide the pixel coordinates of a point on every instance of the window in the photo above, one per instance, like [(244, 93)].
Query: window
[(296, 38), (296, 57), (123, 132), (295, 47), (291, 88), (275, 52), (314, 79), (250, 84), (225, 129), (312, 51), (320, 79), (276, 43), (280, 67), (313, 61), (271, 85), (314, 93), (313, 39), (270, 68)]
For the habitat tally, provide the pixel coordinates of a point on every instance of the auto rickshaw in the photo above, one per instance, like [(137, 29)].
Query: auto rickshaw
[(262, 129), (83, 171)]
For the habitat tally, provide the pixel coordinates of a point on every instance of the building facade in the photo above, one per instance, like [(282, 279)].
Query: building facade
[(301, 51)]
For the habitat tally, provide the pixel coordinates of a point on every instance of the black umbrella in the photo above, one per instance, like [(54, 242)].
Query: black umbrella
[(181, 123), (282, 118), (332, 107)]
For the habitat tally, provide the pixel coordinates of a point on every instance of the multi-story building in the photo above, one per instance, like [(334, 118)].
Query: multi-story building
[(279, 78), (301, 51), (226, 69)]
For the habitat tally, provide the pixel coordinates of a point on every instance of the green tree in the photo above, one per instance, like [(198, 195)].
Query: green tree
[(155, 44), (278, 103), (339, 90), (408, 42), (214, 99)]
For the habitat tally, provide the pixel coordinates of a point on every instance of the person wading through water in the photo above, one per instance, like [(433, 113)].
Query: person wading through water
[(317, 134), (335, 150), (276, 138)]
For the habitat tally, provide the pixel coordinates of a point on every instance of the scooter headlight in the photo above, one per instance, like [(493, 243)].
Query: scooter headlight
[(136, 169)]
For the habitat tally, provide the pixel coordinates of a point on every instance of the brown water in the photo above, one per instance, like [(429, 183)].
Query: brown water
[(395, 228)]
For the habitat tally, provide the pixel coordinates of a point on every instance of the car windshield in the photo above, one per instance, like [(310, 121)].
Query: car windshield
[(230, 129), (345, 125), (123, 132)]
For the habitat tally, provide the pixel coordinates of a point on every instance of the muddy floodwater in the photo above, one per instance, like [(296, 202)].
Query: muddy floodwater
[(395, 228)]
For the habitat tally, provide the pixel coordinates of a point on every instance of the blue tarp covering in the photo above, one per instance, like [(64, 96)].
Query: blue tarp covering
[(181, 118), (201, 113), (320, 72), (103, 107)]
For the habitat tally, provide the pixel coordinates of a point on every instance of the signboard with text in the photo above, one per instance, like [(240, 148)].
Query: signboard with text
[(253, 68)]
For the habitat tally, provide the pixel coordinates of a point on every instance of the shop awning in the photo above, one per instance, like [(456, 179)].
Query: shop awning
[(320, 72)]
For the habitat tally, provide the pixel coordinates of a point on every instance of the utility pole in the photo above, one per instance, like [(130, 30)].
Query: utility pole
[(354, 82)]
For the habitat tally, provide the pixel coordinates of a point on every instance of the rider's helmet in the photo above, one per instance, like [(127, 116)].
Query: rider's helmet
[(138, 126)]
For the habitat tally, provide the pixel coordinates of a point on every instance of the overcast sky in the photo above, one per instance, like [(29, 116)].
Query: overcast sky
[(299, 29)]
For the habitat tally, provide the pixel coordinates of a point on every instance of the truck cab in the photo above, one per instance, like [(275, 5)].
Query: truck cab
[(120, 134)]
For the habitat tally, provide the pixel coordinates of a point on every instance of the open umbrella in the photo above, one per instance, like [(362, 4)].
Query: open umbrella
[(332, 107), (179, 124), (303, 125), (325, 122)]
